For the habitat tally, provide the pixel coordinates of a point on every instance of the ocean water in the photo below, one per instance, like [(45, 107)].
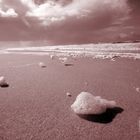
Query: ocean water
[(106, 50)]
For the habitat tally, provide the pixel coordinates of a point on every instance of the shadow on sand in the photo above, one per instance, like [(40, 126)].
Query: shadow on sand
[(106, 117), (68, 65), (4, 85)]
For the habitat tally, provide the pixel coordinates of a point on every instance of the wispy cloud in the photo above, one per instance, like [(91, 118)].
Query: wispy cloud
[(9, 13), (53, 11)]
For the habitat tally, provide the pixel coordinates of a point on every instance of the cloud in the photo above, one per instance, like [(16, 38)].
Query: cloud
[(18, 5), (28, 3), (135, 12), (50, 11), (82, 21), (53, 11), (9, 13), (70, 21)]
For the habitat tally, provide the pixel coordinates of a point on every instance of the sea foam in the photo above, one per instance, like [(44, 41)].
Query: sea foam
[(86, 103)]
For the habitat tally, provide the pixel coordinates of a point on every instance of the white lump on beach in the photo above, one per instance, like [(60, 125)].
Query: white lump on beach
[(41, 64), (63, 59), (52, 57), (3, 81), (68, 94), (138, 89), (86, 103)]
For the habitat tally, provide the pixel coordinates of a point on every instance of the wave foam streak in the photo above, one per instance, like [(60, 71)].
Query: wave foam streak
[(108, 50)]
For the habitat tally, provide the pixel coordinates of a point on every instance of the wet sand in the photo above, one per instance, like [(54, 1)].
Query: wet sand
[(35, 105)]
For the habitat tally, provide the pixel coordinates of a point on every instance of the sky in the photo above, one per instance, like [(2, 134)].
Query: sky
[(69, 21)]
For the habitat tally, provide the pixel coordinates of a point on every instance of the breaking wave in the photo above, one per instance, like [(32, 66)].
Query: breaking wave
[(108, 50)]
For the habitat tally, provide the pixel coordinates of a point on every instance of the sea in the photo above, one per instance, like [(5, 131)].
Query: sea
[(94, 50)]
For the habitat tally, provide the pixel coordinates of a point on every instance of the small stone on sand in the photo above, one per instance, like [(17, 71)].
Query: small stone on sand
[(3, 82), (41, 64), (138, 89), (68, 94), (52, 56)]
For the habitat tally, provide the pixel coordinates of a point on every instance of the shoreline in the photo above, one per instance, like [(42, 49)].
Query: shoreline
[(102, 51)]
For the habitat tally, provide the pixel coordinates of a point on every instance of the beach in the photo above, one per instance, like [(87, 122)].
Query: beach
[(35, 105)]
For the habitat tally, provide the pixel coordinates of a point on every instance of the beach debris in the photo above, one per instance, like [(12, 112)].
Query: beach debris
[(52, 57), (113, 59), (86, 104), (68, 94), (41, 64), (115, 56), (138, 89), (68, 64), (3, 82), (63, 59)]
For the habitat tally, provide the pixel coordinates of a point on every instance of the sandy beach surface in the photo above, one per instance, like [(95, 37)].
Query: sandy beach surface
[(35, 105)]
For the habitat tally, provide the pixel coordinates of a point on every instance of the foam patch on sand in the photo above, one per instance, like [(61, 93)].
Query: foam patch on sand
[(86, 103), (3, 82), (138, 89), (42, 64), (103, 51)]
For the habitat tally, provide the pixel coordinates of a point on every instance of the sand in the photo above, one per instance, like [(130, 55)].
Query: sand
[(35, 105)]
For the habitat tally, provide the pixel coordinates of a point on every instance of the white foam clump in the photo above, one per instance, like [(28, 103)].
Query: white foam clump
[(52, 56), (41, 64), (138, 89), (68, 94), (63, 59), (86, 103), (2, 81)]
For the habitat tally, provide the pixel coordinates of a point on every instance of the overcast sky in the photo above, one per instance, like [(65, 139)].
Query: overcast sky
[(69, 21)]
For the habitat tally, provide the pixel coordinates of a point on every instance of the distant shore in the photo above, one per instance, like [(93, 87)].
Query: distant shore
[(102, 51)]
